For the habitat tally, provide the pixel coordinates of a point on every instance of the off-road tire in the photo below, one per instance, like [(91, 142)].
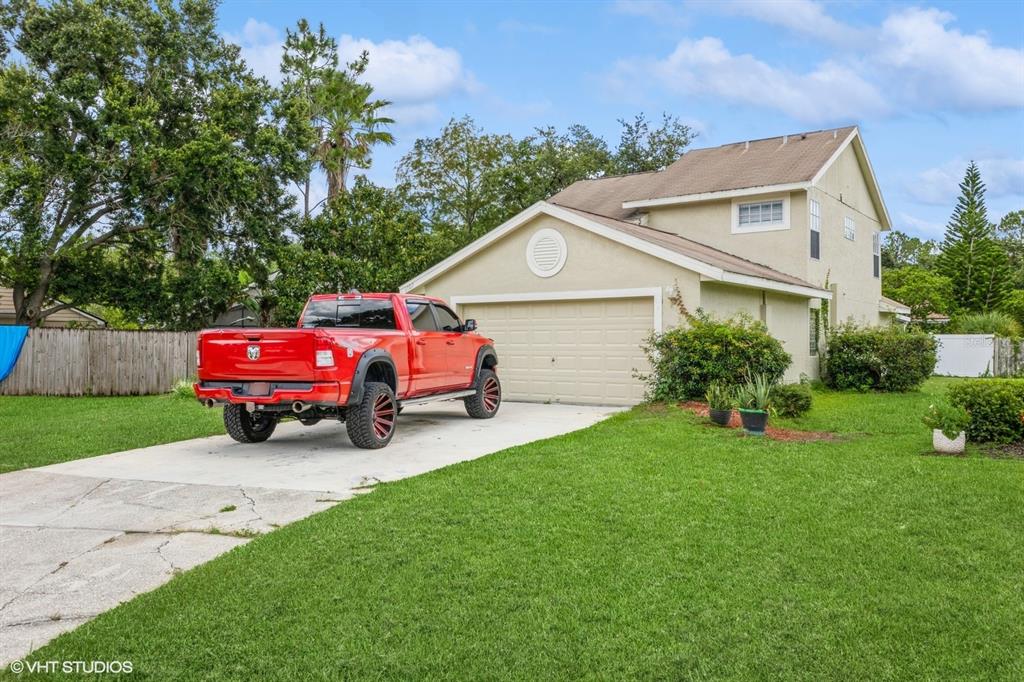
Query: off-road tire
[(485, 402), (371, 423), (248, 427)]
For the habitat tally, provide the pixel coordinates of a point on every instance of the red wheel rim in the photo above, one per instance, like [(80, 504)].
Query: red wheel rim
[(383, 416), (492, 394)]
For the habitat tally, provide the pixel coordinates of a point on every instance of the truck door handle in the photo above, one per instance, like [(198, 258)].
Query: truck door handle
[(450, 343), (421, 342)]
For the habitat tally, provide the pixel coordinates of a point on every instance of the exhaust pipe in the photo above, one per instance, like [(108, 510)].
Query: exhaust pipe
[(298, 407), (209, 402)]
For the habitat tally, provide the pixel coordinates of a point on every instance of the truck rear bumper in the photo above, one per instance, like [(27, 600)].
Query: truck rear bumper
[(274, 392)]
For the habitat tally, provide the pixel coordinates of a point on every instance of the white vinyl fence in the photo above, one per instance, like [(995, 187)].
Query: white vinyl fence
[(975, 355)]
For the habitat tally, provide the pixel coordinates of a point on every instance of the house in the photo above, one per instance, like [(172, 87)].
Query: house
[(570, 287), (68, 317)]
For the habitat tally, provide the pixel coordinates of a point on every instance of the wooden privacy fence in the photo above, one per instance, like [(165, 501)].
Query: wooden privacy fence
[(101, 362), (1008, 359)]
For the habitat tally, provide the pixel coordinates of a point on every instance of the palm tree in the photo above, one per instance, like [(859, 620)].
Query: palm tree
[(350, 124)]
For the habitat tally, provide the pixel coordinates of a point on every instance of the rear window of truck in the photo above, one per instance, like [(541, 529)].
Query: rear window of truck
[(358, 314)]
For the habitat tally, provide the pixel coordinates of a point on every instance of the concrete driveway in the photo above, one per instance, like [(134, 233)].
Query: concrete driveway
[(78, 538)]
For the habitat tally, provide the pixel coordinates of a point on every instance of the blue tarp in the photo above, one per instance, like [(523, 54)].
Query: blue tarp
[(11, 340)]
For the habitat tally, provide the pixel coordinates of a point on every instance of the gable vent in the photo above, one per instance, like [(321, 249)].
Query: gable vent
[(546, 252)]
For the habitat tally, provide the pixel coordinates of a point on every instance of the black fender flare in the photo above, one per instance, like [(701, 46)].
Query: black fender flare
[(366, 360), (482, 353)]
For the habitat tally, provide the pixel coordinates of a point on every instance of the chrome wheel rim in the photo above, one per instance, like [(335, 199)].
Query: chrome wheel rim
[(492, 394), (383, 416)]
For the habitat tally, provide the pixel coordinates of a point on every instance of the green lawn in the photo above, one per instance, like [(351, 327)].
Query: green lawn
[(38, 430), (649, 546)]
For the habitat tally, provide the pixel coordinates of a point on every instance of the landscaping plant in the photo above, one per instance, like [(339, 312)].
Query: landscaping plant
[(951, 420), (995, 406), (754, 398), (720, 402), (686, 360), (791, 400), (879, 358)]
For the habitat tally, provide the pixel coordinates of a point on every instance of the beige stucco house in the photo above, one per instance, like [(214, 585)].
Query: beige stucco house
[(570, 287), (68, 317)]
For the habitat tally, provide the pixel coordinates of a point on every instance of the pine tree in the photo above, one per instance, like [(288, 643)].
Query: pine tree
[(971, 257)]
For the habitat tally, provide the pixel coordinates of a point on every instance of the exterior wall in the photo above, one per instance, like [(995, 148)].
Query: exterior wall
[(592, 262), (787, 319), (843, 192), (710, 222)]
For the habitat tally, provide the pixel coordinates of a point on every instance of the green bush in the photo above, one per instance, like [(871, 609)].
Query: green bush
[(686, 360), (1014, 306), (879, 358), (1001, 324), (183, 389), (996, 408), (791, 400)]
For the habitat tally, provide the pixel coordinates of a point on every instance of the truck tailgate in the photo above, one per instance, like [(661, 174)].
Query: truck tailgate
[(286, 354)]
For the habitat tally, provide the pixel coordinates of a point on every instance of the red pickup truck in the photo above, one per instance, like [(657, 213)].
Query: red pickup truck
[(359, 358)]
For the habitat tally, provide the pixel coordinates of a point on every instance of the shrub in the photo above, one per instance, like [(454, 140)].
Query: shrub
[(995, 406), (880, 358), (183, 389), (950, 419), (686, 360), (1013, 306), (791, 400), (1001, 324)]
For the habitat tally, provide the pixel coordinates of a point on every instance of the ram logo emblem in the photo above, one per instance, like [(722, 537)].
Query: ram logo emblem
[(253, 352)]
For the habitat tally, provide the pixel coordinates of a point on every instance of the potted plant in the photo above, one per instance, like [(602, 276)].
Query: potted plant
[(720, 403), (754, 397), (947, 424)]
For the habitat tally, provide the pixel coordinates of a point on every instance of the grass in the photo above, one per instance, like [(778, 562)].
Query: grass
[(648, 546), (40, 430)]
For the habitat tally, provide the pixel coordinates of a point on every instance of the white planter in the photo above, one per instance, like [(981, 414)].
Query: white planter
[(952, 446)]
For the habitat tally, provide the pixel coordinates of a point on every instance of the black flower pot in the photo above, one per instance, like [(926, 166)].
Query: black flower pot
[(754, 421), (720, 417)]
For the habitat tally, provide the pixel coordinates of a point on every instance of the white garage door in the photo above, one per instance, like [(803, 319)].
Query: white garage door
[(581, 351)]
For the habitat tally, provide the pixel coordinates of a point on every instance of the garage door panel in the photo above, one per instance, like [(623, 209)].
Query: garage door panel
[(569, 351)]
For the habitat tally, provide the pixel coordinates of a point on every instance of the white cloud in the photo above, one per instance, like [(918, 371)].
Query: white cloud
[(261, 46), (1003, 177), (916, 226), (414, 74), (830, 92), (801, 16), (945, 68), (410, 71), (915, 57)]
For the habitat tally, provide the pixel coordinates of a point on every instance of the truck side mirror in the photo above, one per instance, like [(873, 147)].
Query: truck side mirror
[(469, 326)]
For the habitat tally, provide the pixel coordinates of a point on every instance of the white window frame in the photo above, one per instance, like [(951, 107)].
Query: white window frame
[(760, 227), (849, 228), (814, 210)]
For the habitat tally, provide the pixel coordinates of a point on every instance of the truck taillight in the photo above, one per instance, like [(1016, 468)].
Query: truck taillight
[(324, 354), (199, 360)]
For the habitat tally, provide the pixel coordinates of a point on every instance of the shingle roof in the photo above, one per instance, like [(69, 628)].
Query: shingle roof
[(604, 196), (692, 249), (742, 165)]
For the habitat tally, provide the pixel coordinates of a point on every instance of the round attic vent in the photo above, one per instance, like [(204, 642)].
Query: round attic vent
[(546, 252)]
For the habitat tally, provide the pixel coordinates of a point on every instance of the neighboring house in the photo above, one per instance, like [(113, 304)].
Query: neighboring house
[(69, 317), (570, 287), (892, 311)]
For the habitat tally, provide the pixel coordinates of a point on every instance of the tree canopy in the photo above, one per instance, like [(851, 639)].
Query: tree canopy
[(130, 131)]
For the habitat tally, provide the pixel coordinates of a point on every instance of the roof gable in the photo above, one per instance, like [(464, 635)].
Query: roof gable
[(707, 261)]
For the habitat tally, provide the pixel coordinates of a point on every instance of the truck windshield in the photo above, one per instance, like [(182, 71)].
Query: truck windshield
[(361, 314)]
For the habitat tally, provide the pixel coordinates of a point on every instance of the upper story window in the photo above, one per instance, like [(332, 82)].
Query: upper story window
[(815, 229), (876, 253), (760, 216), (849, 228), (763, 213)]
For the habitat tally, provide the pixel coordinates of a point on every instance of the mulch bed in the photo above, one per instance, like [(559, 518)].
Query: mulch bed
[(1011, 451), (701, 410)]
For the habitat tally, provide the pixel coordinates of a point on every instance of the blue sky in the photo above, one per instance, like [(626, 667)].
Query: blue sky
[(931, 85)]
